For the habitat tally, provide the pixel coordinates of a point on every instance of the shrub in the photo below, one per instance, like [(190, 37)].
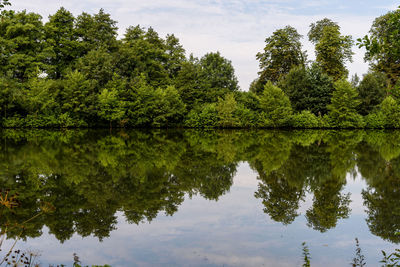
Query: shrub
[(306, 119), (375, 120), (203, 116)]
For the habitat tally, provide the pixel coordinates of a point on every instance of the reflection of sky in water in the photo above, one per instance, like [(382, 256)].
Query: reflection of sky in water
[(231, 232)]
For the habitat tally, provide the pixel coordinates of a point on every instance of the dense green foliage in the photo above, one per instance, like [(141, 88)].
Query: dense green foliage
[(308, 89), (282, 52), (74, 71), (383, 45), (371, 91), (332, 50)]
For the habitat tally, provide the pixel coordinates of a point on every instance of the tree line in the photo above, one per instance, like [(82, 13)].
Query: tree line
[(76, 72)]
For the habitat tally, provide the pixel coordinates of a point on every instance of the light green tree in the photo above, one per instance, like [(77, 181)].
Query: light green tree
[(110, 107), (316, 29), (226, 108), (275, 105), (282, 51), (333, 51), (331, 48), (78, 96), (40, 96), (343, 109), (391, 112)]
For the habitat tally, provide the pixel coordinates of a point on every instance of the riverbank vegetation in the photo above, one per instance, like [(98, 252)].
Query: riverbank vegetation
[(75, 71)]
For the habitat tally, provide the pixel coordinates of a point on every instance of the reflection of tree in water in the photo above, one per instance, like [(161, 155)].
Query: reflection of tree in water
[(308, 167), (280, 199), (382, 196), (280, 196), (90, 176), (329, 205)]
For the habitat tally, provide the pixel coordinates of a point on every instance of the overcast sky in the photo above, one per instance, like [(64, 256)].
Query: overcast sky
[(236, 28)]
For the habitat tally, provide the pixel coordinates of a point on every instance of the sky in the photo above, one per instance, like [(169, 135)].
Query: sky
[(235, 28)]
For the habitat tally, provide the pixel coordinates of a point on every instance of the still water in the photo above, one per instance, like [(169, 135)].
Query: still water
[(200, 198)]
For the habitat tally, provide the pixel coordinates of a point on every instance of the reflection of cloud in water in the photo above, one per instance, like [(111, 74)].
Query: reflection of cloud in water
[(245, 176), (233, 231), (230, 260)]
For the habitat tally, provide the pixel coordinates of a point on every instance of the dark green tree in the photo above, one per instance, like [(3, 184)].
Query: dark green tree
[(217, 76), (95, 31), (63, 41), (383, 45), (23, 48), (371, 91), (97, 65), (175, 55), (308, 89), (282, 51), (144, 53), (188, 83)]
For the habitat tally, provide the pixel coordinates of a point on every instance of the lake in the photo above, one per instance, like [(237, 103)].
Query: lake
[(200, 198)]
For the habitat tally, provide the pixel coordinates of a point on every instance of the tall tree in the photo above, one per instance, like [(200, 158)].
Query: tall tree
[(371, 91), (282, 51), (331, 48), (62, 38), (98, 65), (316, 29), (188, 83), (383, 45), (143, 52), (217, 76), (95, 31), (23, 48), (175, 55)]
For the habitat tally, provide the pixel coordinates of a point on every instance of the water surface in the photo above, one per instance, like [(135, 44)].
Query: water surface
[(202, 198)]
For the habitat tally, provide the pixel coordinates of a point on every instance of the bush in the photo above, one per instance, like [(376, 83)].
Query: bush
[(306, 119), (391, 111), (343, 109), (246, 117), (203, 116), (13, 122), (375, 120), (275, 105)]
